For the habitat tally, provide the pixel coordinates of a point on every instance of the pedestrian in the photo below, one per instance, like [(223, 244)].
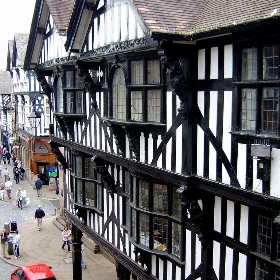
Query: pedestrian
[(8, 157), (19, 198), (17, 173), (2, 191), (83, 264), (23, 195), (16, 241), (38, 185), (39, 215), (8, 188), (66, 238), (4, 240), (4, 157), (6, 174), (0, 170)]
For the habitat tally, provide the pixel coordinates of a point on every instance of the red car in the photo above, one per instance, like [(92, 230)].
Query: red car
[(33, 272)]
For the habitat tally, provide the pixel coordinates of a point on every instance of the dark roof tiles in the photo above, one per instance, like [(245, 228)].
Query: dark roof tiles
[(61, 12), (187, 17)]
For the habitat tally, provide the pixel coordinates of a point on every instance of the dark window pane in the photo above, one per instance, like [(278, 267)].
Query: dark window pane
[(144, 229), (264, 235), (261, 271), (270, 110), (249, 64), (119, 95), (270, 62), (144, 195), (248, 111)]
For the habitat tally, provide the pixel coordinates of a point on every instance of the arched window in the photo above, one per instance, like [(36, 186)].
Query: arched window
[(119, 95)]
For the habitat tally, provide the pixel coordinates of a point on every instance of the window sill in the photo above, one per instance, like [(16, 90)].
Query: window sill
[(146, 125), (72, 116), (248, 137)]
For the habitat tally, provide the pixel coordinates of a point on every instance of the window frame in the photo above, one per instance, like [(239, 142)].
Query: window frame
[(164, 238), (143, 90), (66, 91), (259, 84)]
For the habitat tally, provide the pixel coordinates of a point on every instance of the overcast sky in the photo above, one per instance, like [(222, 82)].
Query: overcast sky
[(15, 17)]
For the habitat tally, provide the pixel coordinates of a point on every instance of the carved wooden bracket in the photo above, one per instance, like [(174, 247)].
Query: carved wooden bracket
[(47, 89), (102, 168), (119, 135), (89, 84), (144, 258), (190, 207), (134, 141), (178, 81), (59, 155)]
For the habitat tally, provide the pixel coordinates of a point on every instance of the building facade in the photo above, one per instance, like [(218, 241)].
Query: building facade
[(165, 121)]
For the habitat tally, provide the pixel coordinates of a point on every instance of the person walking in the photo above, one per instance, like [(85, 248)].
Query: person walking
[(6, 174), (39, 215), (66, 233), (17, 174), (8, 157), (83, 264), (8, 188), (4, 157), (17, 243), (38, 185), (23, 195), (2, 191), (4, 240), (0, 170), (19, 198)]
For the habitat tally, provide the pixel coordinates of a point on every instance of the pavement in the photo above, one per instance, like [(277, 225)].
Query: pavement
[(45, 246)]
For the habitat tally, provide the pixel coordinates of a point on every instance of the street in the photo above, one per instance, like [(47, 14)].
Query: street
[(9, 212)]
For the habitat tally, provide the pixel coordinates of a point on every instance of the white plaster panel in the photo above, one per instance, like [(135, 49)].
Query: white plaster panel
[(228, 61), (228, 263), (213, 128), (179, 149), (109, 16), (201, 64), (95, 32), (169, 270), (101, 30), (241, 164), (131, 25), (214, 63), (244, 224), (154, 266), (150, 148), (188, 247), (159, 162), (127, 147), (117, 25), (217, 214), (161, 268), (142, 147), (198, 252), (274, 173), (242, 266), (200, 135), (216, 257), (168, 155), (257, 183), (124, 22), (230, 220), (227, 120)]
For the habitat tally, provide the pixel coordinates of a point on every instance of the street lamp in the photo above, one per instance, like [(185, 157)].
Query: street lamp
[(34, 119)]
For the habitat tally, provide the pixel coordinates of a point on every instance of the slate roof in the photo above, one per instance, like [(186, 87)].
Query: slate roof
[(189, 17), (20, 46), (5, 82), (61, 12)]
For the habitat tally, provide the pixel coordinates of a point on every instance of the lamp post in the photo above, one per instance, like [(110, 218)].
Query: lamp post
[(34, 119)]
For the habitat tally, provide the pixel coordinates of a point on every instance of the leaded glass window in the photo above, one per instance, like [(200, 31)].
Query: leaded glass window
[(119, 95)]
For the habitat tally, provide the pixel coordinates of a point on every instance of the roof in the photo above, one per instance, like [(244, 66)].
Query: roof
[(20, 46), (61, 12), (5, 82), (189, 17)]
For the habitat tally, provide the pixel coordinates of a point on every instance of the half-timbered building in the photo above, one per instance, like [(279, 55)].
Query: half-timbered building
[(165, 120)]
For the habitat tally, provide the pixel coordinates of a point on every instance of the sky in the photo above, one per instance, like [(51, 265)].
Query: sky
[(15, 17)]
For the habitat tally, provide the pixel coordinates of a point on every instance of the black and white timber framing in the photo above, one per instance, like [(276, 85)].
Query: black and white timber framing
[(171, 149)]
